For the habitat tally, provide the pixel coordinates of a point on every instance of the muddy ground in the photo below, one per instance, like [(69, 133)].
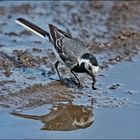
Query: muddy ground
[(28, 79), (27, 75)]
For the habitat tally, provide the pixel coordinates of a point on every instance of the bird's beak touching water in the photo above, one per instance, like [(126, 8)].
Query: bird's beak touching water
[(93, 75), (93, 78), (94, 81)]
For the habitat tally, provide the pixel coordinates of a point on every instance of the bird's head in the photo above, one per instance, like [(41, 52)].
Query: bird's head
[(90, 64)]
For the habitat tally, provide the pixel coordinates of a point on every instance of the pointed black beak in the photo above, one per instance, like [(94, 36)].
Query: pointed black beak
[(93, 78), (94, 81)]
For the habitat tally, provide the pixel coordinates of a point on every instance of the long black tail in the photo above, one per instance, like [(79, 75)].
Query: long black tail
[(34, 28)]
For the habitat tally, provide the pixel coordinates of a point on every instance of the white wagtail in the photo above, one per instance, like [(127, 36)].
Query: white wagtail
[(69, 51)]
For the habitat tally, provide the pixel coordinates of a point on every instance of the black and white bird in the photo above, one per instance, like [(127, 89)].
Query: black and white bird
[(69, 51)]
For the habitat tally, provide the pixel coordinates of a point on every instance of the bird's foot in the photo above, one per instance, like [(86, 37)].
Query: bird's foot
[(80, 85), (62, 81), (93, 86)]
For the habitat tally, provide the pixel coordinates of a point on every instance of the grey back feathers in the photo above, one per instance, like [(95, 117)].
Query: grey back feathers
[(68, 48)]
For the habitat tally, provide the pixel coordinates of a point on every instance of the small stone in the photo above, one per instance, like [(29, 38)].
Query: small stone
[(114, 86), (131, 92)]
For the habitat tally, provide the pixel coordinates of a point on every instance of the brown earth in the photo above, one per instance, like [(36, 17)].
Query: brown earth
[(121, 43)]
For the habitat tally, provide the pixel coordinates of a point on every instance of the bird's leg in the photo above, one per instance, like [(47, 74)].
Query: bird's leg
[(79, 82), (56, 67)]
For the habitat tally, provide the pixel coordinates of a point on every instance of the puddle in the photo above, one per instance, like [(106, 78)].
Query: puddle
[(85, 120), (29, 85), (63, 117)]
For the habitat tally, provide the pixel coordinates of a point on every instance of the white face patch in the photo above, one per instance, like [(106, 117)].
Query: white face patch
[(88, 66), (82, 122), (86, 61)]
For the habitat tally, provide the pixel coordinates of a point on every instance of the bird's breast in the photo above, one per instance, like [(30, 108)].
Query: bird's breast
[(79, 69)]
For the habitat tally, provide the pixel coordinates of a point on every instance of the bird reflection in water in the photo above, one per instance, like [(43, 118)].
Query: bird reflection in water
[(64, 117)]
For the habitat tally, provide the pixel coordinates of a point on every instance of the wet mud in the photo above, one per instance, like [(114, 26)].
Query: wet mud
[(28, 78)]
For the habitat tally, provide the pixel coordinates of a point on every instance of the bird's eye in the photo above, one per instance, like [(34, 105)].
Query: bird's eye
[(90, 68)]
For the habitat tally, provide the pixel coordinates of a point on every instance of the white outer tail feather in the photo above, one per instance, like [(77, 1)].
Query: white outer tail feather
[(30, 29)]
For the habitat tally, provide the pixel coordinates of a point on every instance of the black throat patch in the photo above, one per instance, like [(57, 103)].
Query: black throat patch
[(80, 68)]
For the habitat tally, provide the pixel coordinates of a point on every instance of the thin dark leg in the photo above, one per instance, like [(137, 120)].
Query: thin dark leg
[(56, 67), (76, 78)]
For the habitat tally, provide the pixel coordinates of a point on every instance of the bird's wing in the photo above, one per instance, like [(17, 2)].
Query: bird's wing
[(74, 49), (69, 58), (68, 48)]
